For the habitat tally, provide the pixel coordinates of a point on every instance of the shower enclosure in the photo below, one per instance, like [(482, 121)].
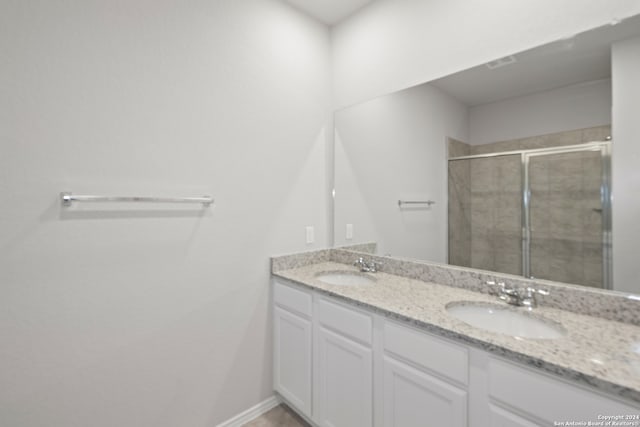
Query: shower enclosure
[(543, 213)]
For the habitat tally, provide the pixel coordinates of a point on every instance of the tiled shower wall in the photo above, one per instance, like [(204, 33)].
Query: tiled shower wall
[(459, 205), (485, 208)]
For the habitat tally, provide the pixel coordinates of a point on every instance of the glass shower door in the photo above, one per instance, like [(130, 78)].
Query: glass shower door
[(485, 213), (566, 215)]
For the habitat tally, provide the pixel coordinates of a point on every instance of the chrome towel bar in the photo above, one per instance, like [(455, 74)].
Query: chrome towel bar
[(68, 198), (416, 202)]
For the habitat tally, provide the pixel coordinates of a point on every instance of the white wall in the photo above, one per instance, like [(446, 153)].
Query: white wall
[(390, 148), (571, 107), (394, 44), (149, 315), (625, 61)]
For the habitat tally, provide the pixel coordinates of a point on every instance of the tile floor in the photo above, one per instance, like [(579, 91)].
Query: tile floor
[(280, 416)]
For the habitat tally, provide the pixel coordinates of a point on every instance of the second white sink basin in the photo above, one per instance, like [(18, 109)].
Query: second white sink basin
[(345, 278), (505, 320)]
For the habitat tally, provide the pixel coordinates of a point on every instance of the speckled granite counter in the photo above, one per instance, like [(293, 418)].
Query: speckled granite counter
[(597, 352)]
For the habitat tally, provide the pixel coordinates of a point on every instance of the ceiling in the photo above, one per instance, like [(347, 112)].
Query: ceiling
[(585, 57), (329, 11)]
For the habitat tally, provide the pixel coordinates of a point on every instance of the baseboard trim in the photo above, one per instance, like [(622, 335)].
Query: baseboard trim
[(252, 413)]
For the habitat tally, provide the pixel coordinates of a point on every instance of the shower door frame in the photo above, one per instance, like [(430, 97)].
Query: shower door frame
[(604, 147)]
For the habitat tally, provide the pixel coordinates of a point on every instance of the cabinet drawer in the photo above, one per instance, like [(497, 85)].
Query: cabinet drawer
[(434, 354), (546, 398), (347, 321), (292, 299)]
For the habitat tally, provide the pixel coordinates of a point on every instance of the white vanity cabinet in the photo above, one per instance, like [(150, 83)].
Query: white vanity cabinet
[(323, 357), (292, 347), (342, 366)]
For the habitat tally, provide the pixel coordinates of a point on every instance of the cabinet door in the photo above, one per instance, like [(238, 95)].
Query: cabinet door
[(344, 381), (415, 399), (544, 398), (292, 359), (504, 418)]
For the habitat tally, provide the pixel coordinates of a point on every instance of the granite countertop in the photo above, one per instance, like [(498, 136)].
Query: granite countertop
[(596, 352)]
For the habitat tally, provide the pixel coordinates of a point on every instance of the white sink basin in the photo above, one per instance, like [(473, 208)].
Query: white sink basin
[(345, 278), (505, 320)]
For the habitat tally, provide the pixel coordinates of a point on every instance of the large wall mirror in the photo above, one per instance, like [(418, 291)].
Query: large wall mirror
[(504, 167)]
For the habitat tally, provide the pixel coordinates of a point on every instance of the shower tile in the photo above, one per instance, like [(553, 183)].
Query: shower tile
[(591, 222), (539, 174), (564, 222), (484, 260), (457, 148), (508, 262), (592, 170), (459, 212), (482, 175), (592, 251), (459, 231), (565, 248), (571, 137), (539, 205), (540, 264), (593, 272), (523, 143), (484, 148), (509, 176), (507, 242), (459, 173), (565, 174), (482, 214), (598, 133), (592, 283), (482, 242), (540, 247), (566, 269), (478, 149), (532, 143), (460, 253), (539, 231), (509, 214)]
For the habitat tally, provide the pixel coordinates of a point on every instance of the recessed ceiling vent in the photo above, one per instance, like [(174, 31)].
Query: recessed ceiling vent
[(507, 60)]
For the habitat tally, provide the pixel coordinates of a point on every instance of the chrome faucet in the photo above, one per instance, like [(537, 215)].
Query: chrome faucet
[(367, 267), (521, 297)]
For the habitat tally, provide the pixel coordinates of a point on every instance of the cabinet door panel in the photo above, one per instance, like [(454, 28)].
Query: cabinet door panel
[(413, 398), (292, 359), (345, 381), (504, 418), (546, 397)]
